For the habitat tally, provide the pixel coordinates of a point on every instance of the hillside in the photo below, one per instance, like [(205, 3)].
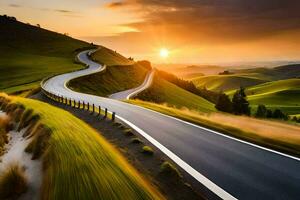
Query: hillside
[(163, 91), (283, 94), (121, 74), (30, 53), (110, 58), (227, 82), (78, 163), (246, 77)]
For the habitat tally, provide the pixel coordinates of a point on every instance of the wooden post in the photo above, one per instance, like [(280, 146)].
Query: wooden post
[(93, 108), (83, 105), (88, 106), (105, 115), (113, 116), (99, 110)]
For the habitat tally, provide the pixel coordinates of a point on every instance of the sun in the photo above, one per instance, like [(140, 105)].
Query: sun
[(164, 53)]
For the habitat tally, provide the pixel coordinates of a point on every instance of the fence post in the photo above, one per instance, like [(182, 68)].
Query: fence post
[(105, 115), (93, 108), (99, 110), (88, 106), (83, 105), (113, 116)]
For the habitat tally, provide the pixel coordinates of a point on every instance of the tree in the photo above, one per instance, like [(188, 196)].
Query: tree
[(278, 114), (261, 112), (224, 104), (269, 114), (240, 104)]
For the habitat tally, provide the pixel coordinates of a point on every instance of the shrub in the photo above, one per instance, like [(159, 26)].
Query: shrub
[(261, 111), (169, 169), (147, 150), (40, 141), (13, 182), (128, 132), (136, 140)]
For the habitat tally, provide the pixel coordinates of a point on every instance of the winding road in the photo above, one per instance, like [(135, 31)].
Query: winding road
[(127, 94), (230, 168)]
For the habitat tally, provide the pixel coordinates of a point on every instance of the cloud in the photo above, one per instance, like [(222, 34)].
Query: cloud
[(63, 11), (15, 5), (215, 21), (116, 4)]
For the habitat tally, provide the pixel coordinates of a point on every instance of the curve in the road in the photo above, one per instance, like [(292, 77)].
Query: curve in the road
[(128, 94), (229, 167)]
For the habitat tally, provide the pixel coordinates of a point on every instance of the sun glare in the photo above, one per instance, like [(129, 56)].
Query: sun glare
[(164, 53)]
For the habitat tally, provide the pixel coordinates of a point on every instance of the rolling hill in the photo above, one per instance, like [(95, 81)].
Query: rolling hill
[(121, 74), (246, 77), (282, 94), (163, 91), (30, 53), (227, 82)]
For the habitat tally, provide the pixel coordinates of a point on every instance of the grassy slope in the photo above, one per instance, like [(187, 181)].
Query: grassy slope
[(110, 58), (121, 74), (247, 77), (81, 164), (283, 94), (171, 94), (272, 134), (228, 82), (29, 53)]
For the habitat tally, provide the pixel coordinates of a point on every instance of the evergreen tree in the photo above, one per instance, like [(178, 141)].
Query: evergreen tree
[(224, 104), (261, 111), (240, 104)]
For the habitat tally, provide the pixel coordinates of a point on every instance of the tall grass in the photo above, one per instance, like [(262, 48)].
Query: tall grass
[(13, 182), (280, 136), (4, 122), (78, 162)]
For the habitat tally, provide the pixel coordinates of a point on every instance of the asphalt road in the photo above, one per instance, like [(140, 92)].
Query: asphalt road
[(228, 167), (127, 94)]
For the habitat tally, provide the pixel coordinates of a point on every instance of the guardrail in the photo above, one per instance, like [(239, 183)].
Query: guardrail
[(80, 105), (76, 104)]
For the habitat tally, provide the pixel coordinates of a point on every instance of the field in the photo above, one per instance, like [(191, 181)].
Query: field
[(227, 82), (29, 54), (80, 164), (163, 91), (118, 76), (263, 132), (283, 94)]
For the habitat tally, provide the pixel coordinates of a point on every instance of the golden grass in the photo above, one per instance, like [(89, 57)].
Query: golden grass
[(78, 162), (4, 122), (273, 134), (13, 182)]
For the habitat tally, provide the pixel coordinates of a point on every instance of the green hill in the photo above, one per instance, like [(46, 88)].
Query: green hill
[(78, 163), (121, 74), (29, 54), (246, 77), (227, 82), (282, 94), (110, 58), (163, 91)]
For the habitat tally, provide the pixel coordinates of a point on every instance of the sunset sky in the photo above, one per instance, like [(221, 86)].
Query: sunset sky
[(194, 31)]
